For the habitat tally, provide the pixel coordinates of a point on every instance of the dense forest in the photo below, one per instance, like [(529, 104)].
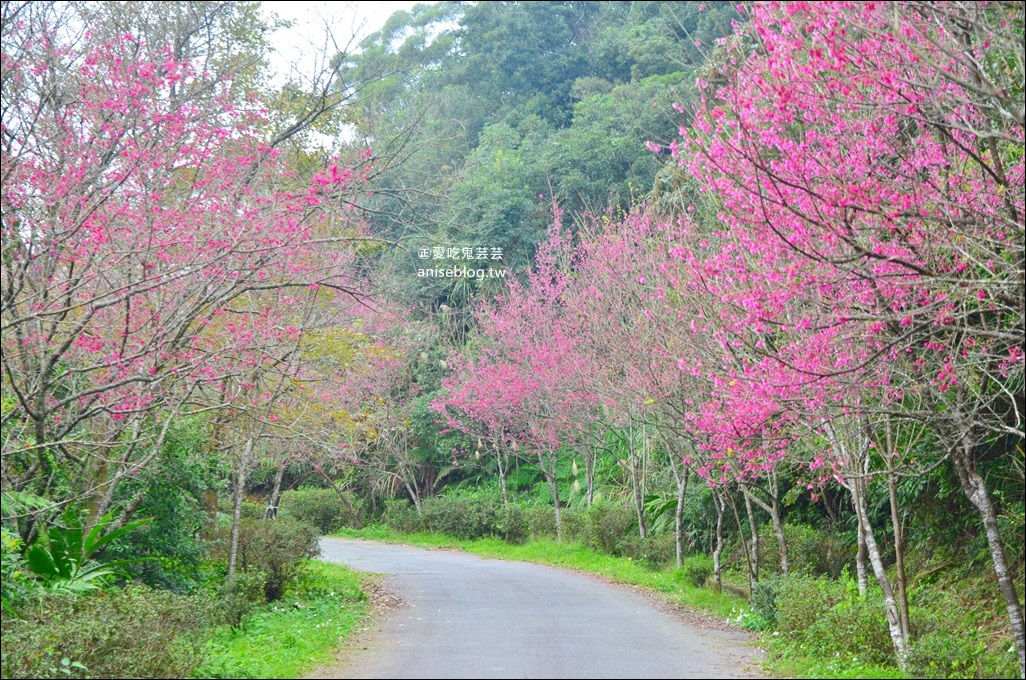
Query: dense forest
[(734, 291)]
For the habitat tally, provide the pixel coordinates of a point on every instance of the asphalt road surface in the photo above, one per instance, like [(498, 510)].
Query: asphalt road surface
[(462, 616)]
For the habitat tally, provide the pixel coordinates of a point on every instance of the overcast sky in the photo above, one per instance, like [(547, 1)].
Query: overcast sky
[(301, 46)]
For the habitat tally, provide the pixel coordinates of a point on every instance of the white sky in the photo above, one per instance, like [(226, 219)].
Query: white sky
[(323, 28)]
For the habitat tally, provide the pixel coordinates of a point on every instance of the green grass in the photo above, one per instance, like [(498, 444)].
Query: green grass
[(283, 640), (574, 556)]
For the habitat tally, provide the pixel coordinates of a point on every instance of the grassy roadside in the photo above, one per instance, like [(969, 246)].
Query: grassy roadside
[(296, 634)]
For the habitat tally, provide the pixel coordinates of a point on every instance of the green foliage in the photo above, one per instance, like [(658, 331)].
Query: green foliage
[(470, 517), (695, 570), (654, 551), (823, 617), (604, 527), (13, 580), (853, 628), (285, 640), (61, 559), (174, 490), (952, 638), (511, 524), (541, 522), (322, 508), (810, 551), (136, 632), (239, 596), (763, 602), (276, 548), (801, 601), (401, 516)]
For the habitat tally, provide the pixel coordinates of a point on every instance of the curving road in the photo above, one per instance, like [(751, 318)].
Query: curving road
[(463, 616)]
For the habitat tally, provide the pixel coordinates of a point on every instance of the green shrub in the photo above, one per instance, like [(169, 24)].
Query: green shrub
[(695, 570), (466, 518), (810, 552), (470, 517), (136, 632), (952, 638), (574, 524), (173, 491), (541, 521), (801, 601), (249, 509), (606, 525), (240, 596), (654, 551), (960, 654), (275, 547), (401, 516), (323, 508), (854, 627), (763, 602), (511, 524), (827, 618)]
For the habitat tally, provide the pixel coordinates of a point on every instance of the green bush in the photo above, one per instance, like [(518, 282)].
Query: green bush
[(826, 617), (695, 570), (854, 627), (960, 654), (240, 596), (953, 639), (810, 552), (173, 490), (654, 551), (323, 508), (763, 602), (511, 524), (401, 516), (606, 525), (136, 632), (460, 517), (541, 521), (470, 517), (801, 601), (249, 509), (275, 547)]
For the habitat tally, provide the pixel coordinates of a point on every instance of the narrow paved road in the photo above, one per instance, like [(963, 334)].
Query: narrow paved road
[(467, 617)]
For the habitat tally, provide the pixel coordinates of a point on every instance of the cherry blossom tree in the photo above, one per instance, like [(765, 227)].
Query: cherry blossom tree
[(868, 160), (143, 235)]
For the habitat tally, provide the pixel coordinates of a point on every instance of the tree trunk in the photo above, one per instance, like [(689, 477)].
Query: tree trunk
[(858, 490), (976, 490), (238, 491), (718, 550), (860, 561), (547, 463), (753, 526), (272, 501), (678, 515), (773, 508), (639, 499), (899, 536), (589, 474), (503, 466), (415, 496), (745, 543)]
